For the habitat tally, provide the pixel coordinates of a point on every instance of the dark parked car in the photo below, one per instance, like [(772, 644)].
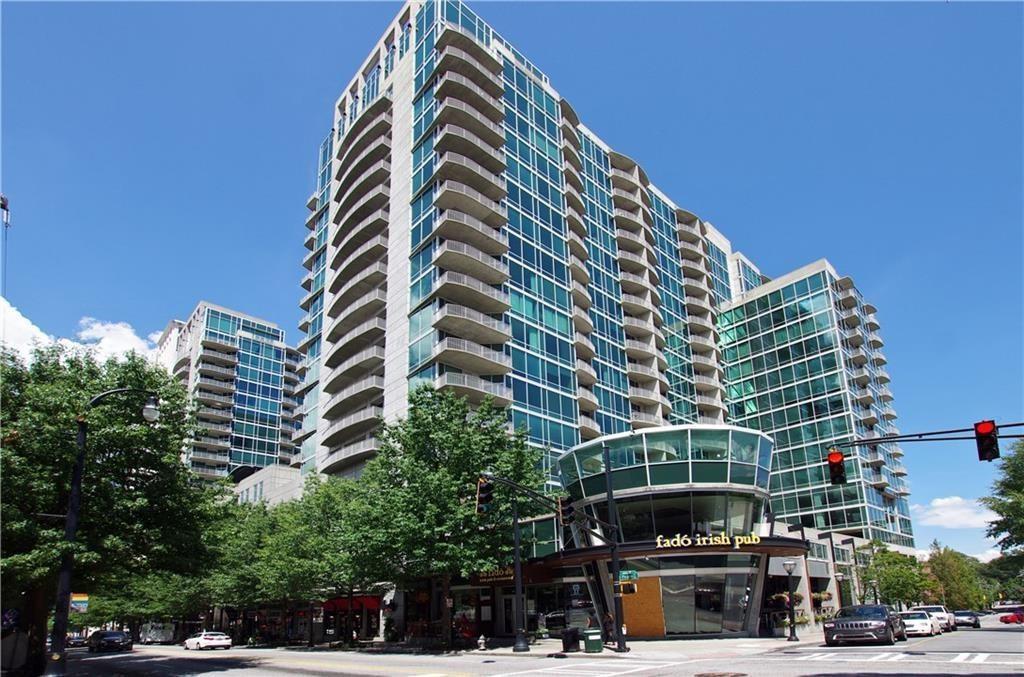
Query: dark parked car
[(967, 617), (109, 640), (865, 623), (73, 641)]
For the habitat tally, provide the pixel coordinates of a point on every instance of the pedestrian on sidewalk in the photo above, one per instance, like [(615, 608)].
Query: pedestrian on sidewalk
[(608, 627)]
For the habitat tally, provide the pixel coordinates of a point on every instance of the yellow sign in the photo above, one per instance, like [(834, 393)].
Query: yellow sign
[(687, 541)]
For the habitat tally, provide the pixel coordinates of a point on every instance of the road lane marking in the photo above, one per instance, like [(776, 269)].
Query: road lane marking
[(898, 657), (602, 670), (879, 657)]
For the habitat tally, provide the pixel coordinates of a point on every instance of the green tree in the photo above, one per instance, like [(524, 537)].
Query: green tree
[(141, 507), (413, 511), (1007, 500), (900, 577), (954, 579), (1006, 577)]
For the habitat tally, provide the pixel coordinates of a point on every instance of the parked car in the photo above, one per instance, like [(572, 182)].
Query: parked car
[(1015, 616), (966, 617), (921, 623), (208, 640), (74, 641), (864, 623), (901, 627), (945, 617), (109, 640)]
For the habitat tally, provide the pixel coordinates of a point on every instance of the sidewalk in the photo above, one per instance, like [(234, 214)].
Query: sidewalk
[(656, 650)]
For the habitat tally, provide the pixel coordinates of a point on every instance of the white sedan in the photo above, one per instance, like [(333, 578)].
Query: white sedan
[(921, 623), (208, 640)]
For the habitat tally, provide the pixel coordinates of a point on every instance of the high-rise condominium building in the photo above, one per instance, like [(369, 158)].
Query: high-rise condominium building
[(242, 378), (803, 363), (469, 231)]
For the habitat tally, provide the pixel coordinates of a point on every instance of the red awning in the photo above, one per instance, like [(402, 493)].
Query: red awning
[(359, 602)]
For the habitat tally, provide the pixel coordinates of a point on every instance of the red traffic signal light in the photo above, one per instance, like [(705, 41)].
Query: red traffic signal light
[(836, 466), (484, 495), (986, 435), (566, 510)]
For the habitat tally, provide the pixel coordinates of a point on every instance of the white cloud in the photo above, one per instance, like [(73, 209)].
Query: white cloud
[(104, 339), (988, 555), (953, 512)]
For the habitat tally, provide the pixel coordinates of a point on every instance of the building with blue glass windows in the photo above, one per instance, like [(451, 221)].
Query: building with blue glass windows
[(468, 231), (242, 377)]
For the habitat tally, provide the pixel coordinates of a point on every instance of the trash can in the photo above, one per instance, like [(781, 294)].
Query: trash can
[(592, 642), (570, 640)]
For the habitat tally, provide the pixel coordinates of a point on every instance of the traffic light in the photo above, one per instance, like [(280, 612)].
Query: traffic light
[(566, 511), (627, 587), (484, 495), (986, 434), (836, 466)]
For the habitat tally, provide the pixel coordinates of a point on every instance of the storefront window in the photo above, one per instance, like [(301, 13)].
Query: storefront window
[(709, 445), (672, 515), (741, 511), (662, 447), (635, 518), (626, 452), (743, 447), (708, 513)]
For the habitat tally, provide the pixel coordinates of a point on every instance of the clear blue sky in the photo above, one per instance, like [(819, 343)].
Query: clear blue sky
[(156, 154)]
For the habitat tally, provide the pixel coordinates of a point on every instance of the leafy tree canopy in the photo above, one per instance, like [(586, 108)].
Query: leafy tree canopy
[(1007, 500)]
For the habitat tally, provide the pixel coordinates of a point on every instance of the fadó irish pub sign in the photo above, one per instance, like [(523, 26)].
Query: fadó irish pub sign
[(687, 541)]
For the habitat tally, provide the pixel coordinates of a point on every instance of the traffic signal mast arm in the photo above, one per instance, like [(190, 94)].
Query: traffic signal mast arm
[(551, 503), (923, 437)]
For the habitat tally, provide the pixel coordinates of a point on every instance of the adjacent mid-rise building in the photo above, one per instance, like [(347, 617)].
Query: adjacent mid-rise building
[(469, 231), (242, 378)]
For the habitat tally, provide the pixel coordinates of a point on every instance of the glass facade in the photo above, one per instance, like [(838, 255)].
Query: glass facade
[(790, 367)]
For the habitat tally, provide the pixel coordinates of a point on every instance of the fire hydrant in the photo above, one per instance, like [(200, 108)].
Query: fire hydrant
[(481, 643)]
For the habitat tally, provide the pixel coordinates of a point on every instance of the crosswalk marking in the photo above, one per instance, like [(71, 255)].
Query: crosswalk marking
[(960, 658), (879, 657), (817, 657), (898, 657), (980, 658)]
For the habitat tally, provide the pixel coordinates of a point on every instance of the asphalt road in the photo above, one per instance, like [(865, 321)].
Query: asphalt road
[(993, 649)]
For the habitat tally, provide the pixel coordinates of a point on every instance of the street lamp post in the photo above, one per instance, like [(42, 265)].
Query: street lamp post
[(58, 653), (789, 565), (874, 586), (839, 587), (613, 520), (518, 612)]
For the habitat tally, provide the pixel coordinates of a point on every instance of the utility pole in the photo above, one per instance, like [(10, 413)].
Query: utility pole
[(613, 519)]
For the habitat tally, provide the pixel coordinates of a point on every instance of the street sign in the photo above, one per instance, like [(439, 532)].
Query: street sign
[(628, 575), (79, 603)]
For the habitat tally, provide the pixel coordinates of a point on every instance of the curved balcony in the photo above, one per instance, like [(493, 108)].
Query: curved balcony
[(214, 413), (631, 241), (572, 177), (456, 167), (868, 417), (641, 350), (704, 364), (631, 263), (643, 419), (580, 295), (706, 402), (626, 199), (848, 298), (689, 232), (850, 317), (637, 328), (584, 346), (633, 283), (358, 311), (572, 155), (216, 385), (453, 111), (637, 304), (360, 364), (586, 399), (702, 344), (899, 470), (693, 268), (698, 305), (691, 250), (889, 414), (576, 222), (875, 340), (864, 396), (213, 370), (585, 373), (860, 376), (645, 396), (454, 85), (340, 457), (356, 396), (219, 457), (376, 175), (877, 481), (696, 285), (453, 59), (465, 258), (878, 359), (366, 254), (469, 291), (641, 372), (578, 269), (347, 240), (628, 220), (852, 337), (883, 376), (699, 323), (454, 225), (464, 142), (361, 422), (361, 283), (885, 395), (356, 339), (376, 199), (471, 324), (577, 246), (573, 197), (211, 429), (453, 34), (207, 397), (472, 357), (706, 384), (377, 150), (474, 388), (871, 322), (626, 180), (581, 320), (212, 442), (373, 122), (858, 357), (588, 427), (462, 198)]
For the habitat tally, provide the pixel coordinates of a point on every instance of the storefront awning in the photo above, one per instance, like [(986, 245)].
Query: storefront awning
[(359, 602), (776, 546)]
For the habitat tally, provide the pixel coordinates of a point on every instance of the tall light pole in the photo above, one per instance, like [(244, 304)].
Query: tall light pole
[(613, 520), (874, 585), (839, 587), (789, 565), (518, 612), (58, 653)]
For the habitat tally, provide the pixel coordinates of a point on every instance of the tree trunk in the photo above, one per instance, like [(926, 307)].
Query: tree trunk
[(446, 611), (36, 617)]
